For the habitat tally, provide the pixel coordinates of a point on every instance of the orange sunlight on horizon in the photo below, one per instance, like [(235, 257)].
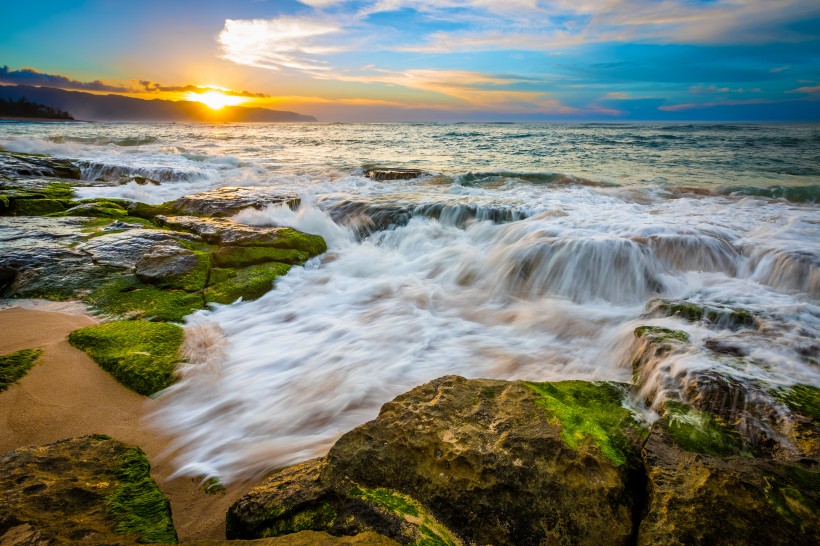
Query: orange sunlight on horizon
[(214, 99)]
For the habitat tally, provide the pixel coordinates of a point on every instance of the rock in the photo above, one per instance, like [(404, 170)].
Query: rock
[(220, 231), (393, 174), (141, 355), (396, 209), (228, 200), (124, 249), (87, 490), (717, 315), (704, 500), (227, 285), (305, 538), (16, 164), (165, 260), (495, 462), (296, 499), (38, 258)]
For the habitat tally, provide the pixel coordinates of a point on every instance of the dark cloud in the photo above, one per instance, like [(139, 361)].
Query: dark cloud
[(30, 76), (153, 87)]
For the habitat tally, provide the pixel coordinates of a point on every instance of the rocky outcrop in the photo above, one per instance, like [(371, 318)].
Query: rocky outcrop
[(20, 164), (393, 173), (500, 462), (489, 461), (305, 538), (220, 231), (87, 490), (165, 261), (228, 200), (697, 499)]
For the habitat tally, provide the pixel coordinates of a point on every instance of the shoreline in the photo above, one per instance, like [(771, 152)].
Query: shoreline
[(66, 395)]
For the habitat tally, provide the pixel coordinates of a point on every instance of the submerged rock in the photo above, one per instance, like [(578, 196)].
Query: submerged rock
[(87, 490), (483, 461), (393, 173)]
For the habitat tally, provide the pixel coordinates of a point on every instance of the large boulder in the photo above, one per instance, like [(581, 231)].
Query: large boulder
[(702, 499), (479, 461), (15, 164), (393, 173), (87, 490), (228, 200)]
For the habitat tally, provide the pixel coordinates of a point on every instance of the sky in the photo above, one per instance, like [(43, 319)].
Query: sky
[(425, 60)]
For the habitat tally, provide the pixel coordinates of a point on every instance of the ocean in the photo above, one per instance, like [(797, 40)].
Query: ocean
[(526, 251)]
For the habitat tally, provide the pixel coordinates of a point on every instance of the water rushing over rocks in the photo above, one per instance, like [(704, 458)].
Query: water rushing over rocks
[(496, 275)]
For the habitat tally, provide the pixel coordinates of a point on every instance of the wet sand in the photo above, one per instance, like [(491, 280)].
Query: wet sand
[(66, 394)]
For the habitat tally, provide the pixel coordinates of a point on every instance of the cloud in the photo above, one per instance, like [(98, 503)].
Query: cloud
[(813, 90), (692, 106), (284, 42), (713, 89), (153, 87), (779, 69), (30, 76)]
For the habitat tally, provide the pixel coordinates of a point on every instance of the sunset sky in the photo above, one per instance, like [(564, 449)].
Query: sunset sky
[(434, 60)]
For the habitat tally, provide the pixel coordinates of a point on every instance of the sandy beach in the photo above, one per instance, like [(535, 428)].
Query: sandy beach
[(66, 395)]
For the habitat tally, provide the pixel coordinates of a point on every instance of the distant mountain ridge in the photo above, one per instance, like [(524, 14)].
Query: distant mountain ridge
[(90, 107)]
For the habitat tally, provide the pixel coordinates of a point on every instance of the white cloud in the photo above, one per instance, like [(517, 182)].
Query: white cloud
[(285, 42)]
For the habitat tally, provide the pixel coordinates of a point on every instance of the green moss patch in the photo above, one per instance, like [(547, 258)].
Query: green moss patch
[(296, 240), (128, 297), (14, 366), (194, 280), (227, 285), (139, 354), (317, 518), (592, 412), (242, 256), (149, 212), (795, 496), (137, 506), (802, 399), (37, 207), (701, 432), (431, 532), (97, 208), (660, 335), (725, 316)]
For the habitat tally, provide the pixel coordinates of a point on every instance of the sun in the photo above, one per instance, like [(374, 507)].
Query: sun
[(215, 99)]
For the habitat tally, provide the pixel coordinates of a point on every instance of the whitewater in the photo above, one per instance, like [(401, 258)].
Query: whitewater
[(524, 251)]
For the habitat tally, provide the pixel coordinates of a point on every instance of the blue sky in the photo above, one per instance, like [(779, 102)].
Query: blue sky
[(609, 60)]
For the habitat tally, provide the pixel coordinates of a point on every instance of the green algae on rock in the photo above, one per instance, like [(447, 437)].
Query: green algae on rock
[(13, 366), (141, 355), (137, 506), (802, 399), (227, 285), (243, 256), (125, 296), (86, 490), (298, 498), (700, 432), (592, 412), (659, 334), (722, 316)]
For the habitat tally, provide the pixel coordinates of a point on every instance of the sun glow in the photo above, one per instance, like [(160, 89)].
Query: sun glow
[(215, 99)]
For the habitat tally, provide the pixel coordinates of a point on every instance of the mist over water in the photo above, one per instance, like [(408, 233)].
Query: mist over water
[(530, 251)]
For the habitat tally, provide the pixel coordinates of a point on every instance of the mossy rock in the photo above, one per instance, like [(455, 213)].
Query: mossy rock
[(722, 316), (592, 412), (139, 354), (227, 285), (149, 212), (13, 366), (37, 207), (128, 297), (243, 256), (97, 208), (86, 490), (802, 399), (658, 334), (701, 432)]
